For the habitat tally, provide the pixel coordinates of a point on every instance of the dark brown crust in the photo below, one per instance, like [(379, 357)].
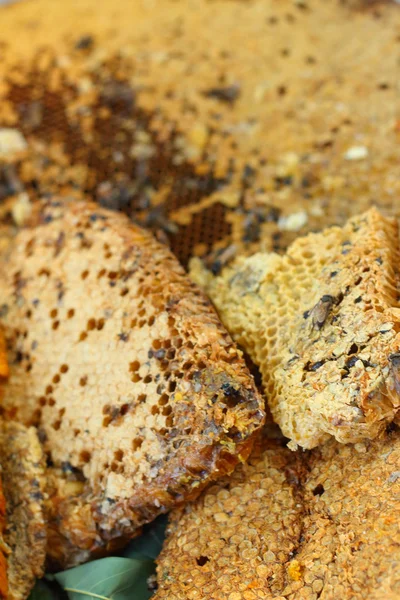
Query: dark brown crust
[(144, 355)]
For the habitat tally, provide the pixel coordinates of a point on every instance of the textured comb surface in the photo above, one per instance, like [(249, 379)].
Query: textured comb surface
[(3, 547), (139, 393), (280, 530), (3, 517), (225, 138), (22, 463), (322, 323)]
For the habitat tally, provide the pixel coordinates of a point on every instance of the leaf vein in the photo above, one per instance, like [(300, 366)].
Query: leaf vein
[(92, 594)]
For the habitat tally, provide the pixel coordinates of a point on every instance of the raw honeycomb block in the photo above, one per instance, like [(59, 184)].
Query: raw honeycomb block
[(139, 394), (291, 526), (322, 323)]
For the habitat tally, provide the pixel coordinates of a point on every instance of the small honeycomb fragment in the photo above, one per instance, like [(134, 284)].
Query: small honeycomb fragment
[(322, 323)]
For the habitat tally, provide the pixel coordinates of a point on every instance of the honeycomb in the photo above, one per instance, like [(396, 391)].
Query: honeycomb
[(139, 394), (22, 464), (291, 526), (223, 140), (322, 323), (175, 122), (3, 516), (3, 553), (239, 534)]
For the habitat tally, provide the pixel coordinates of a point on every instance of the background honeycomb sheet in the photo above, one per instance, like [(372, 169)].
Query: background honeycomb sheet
[(225, 125)]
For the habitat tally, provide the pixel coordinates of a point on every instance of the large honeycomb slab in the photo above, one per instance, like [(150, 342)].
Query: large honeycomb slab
[(139, 393)]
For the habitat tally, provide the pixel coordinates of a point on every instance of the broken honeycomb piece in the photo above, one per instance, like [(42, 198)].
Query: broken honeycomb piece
[(22, 467), (239, 535), (322, 323), (139, 393), (292, 526)]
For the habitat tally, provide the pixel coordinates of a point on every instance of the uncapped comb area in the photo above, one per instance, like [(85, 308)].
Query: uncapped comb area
[(22, 463), (139, 393), (286, 528), (322, 323)]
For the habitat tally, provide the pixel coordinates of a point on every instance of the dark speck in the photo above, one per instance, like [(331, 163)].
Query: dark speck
[(291, 360), (281, 90), (318, 490), (379, 260), (283, 181), (229, 390), (252, 228), (358, 300), (18, 357), (333, 274), (95, 217), (202, 560), (306, 314), (123, 337), (66, 467), (302, 6), (248, 174), (216, 267), (316, 365), (228, 94), (118, 95), (366, 363), (351, 362), (307, 181), (273, 214), (84, 43), (37, 496), (42, 435)]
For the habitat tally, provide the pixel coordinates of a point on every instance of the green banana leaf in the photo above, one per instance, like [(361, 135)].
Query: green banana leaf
[(122, 577)]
